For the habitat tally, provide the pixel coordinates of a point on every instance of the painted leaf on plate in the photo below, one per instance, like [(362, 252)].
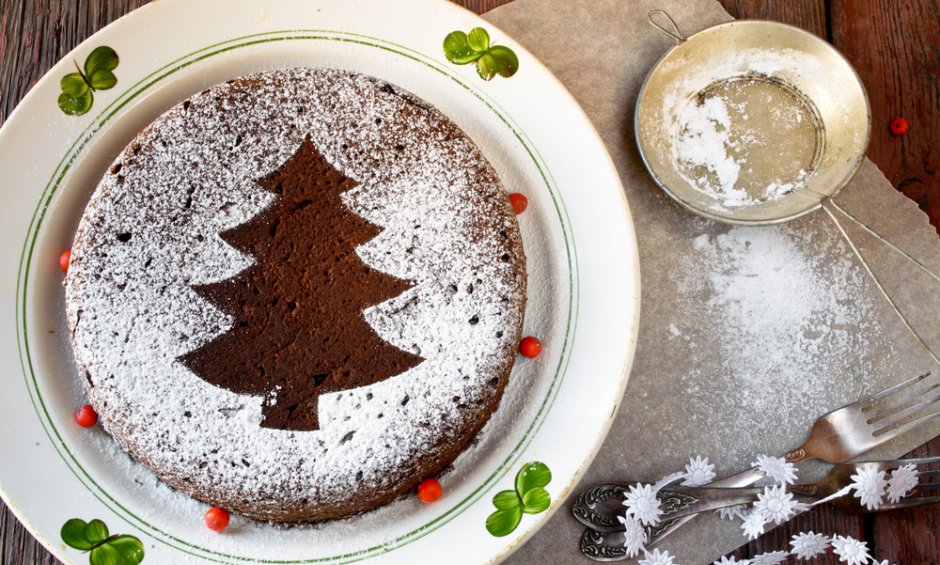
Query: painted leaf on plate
[(503, 522), (506, 499), (532, 475), (491, 60), (529, 497), (536, 500), (77, 96), (102, 548)]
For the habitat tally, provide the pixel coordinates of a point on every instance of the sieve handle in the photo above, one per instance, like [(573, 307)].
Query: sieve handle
[(674, 33), (830, 206)]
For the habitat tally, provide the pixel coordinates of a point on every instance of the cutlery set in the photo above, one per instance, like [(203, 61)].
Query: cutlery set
[(837, 437)]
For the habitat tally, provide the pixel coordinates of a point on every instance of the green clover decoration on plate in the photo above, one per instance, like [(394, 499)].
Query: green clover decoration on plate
[(529, 497), (78, 88), (102, 548), (464, 48)]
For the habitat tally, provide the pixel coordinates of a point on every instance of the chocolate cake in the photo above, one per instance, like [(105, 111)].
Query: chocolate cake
[(297, 294)]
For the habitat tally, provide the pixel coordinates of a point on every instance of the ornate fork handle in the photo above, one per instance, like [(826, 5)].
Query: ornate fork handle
[(599, 506), (744, 478)]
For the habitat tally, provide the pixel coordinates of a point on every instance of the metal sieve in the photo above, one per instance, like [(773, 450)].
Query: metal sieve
[(794, 127), (755, 123)]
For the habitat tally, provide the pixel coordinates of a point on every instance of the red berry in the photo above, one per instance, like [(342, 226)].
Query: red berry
[(86, 416), (430, 490), (519, 202), (216, 519), (530, 347), (899, 126), (64, 260)]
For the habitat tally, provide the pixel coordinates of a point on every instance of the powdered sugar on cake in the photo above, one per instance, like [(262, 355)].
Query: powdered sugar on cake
[(155, 220)]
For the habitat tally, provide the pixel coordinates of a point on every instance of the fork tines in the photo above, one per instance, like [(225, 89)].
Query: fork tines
[(890, 415)]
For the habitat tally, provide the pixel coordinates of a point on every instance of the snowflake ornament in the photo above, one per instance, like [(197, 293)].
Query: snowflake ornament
[(657, 558), (698, 472), (902, 482), (800, 507), (775, 504), (807, 545), (777, 468), (869, 485), (770, 558), (753, 525), (634, 535), (731, 561), (642, 504), (666, 481), (736, 512), (850, 550)]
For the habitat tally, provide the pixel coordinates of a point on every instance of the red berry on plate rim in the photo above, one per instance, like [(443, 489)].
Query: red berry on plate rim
[(530, 347), (899, 126), (519, 202), (64, 260), (216, 519), (86, 416), (430, 490)]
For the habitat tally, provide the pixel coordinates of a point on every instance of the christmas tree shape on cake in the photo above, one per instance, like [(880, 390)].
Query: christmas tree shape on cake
[(299, 331)]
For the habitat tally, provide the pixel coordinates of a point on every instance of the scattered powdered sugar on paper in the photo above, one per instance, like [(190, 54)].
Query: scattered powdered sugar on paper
[(788, 318), (152, 230)]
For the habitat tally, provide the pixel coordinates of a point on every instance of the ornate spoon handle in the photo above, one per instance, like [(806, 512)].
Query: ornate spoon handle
[(599, 506)]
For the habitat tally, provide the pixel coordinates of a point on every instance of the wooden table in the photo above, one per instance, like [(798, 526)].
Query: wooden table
[(894, 45)]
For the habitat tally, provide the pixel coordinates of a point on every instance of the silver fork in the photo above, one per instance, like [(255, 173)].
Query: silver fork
[(842, 435)]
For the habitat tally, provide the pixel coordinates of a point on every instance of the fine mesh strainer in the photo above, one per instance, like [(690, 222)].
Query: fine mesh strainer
[(755, 123), (751, 122)]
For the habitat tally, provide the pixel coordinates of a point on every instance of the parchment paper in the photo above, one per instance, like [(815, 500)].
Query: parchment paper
[(685, 395)]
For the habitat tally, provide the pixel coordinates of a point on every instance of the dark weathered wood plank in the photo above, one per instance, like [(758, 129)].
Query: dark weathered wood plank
[(915, 533), (895, 46), (35, 34), (806, 14)]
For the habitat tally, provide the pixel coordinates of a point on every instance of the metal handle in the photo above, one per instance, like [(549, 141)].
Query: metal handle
[(828, 206), (599, 507), (674, 33)]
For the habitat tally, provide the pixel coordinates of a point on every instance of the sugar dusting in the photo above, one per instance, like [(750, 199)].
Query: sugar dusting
[(788, 320), (162, 207), (736, 138)]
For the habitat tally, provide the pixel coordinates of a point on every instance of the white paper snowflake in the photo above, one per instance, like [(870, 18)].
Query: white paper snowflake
[(770, 558), (657, 558), (738, 511), (698, 472), (731, 561), (667, 480), (800, 507), (902, 482), (642, 504), (869, 485), (777, 468), (775, 504), (850, 550), (807, 545), (634, 535), (753, 525)]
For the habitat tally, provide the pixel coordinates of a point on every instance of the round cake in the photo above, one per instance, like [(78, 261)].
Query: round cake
[(297, 294)]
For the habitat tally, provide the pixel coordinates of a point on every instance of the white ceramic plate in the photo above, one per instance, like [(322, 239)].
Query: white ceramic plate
[(579, 240)]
